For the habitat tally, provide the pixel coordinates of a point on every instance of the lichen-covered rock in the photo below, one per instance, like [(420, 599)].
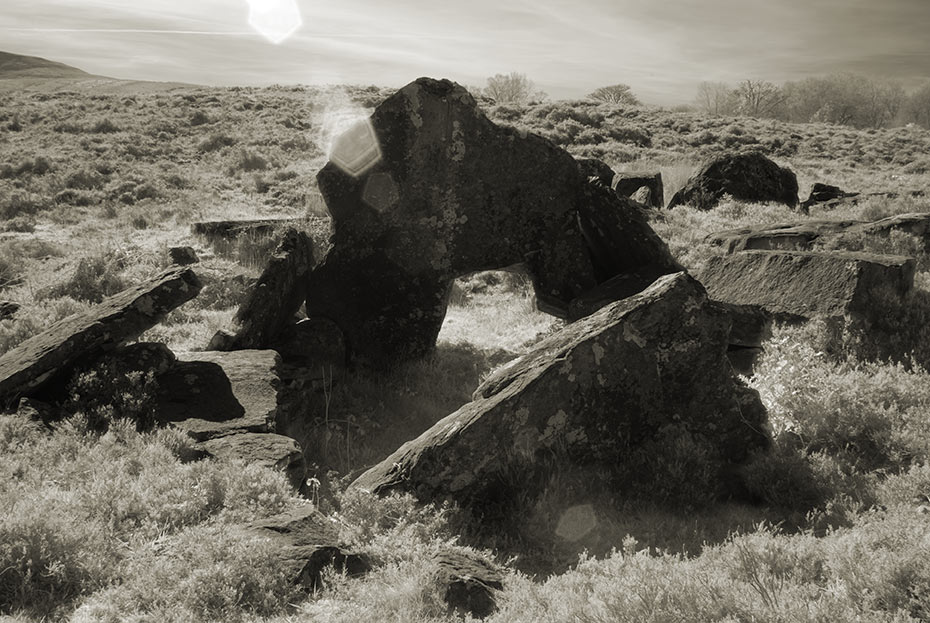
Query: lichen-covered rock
[(272, 302), (588, 396), (212, 394), (430, 189), (743, 176), (807, 284), (88, 335), (628, 184), (268, 449), (306, 542)]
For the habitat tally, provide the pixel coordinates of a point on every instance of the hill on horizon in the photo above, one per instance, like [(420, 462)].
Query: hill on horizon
[(22, 66)]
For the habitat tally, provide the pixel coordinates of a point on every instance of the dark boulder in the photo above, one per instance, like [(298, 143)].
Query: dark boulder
[(822, 193), (429, 189), (183, 256), (588, 396), (88, 335), (629, 184), (744, 176)]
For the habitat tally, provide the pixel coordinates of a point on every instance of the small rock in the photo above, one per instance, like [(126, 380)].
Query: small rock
[(8, 309), (183, 256), (471, 583), (629, 184)]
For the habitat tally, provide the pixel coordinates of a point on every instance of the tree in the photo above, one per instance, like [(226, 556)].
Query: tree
[(845, 99), (918, 106), (513, 88), (615, 94), (758, 98), (716, 98)]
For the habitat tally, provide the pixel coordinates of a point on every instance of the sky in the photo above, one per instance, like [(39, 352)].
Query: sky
[(662, 49)]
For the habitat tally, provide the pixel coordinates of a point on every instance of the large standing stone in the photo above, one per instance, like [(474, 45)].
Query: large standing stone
[(87, 335), (428, 190), (805, 284), (587, 395), (745, 176)]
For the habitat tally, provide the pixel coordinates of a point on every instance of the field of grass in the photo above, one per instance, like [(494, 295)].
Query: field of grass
[(123, 526)]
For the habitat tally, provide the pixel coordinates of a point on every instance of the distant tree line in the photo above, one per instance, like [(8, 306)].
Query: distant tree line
[(845, 99), (516, 88)]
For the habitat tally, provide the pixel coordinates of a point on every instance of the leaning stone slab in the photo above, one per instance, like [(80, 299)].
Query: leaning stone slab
[(586, 396), (117, 319), (306, 543), (212, 394), (268, 449), (805, 284), (272, 302)]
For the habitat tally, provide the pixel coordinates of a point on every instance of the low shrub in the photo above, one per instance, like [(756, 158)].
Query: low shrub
[(95, 278)]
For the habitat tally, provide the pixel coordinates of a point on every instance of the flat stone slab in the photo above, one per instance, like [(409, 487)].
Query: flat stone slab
[(267, 449), (115, 320), (232, 229), (808, 284), (802, 236), (585, 396), (212, 394)]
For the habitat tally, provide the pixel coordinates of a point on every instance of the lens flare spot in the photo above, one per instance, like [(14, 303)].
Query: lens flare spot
[(576, 522), (356, 150), (276, 20), (380, 191)]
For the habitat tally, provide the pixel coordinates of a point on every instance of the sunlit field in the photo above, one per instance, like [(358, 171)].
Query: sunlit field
[(95, 187)]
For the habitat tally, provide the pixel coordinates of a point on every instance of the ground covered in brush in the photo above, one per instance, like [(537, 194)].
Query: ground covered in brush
[(123, 525)]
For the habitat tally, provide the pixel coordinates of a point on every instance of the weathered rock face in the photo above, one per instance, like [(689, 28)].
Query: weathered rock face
[(448, 193), (211, 394), (746, 177), (306, 543), (806, 284), (587, 396), (267, 449), (272, 303), (629, 184), (117, 319)]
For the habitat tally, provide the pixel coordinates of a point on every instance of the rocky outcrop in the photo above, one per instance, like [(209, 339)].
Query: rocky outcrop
[(306, 543), (587, 396), (272, 302), (448, 194), (745, 176), (84, 336), (806, 284), (630, 184)]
